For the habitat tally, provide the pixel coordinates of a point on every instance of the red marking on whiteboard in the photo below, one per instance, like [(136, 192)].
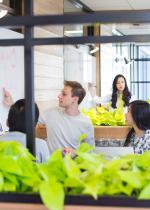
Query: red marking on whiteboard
[(13, 66)]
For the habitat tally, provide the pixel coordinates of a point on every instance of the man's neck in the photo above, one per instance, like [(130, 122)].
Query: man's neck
[(72, 111)]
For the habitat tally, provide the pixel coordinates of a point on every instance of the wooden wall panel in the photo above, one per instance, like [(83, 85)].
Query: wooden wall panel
[(48, 7)]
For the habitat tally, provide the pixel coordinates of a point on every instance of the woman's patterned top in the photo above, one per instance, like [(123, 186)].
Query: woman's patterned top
[(140, 144)]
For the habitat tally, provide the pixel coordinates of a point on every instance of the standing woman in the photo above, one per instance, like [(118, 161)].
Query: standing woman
[(138, 116), (121, 96)]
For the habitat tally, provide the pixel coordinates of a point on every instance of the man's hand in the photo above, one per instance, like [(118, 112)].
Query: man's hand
[(8, 101), (70, 151)]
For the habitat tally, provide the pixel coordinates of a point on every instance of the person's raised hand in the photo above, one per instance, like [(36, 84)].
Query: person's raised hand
[(7, 98)]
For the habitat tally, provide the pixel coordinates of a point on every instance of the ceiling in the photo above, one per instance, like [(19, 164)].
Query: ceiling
[(125, 29), (99, 5)]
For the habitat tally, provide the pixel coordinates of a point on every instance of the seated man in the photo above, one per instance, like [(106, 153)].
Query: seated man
[(17, 129), (65, 123)]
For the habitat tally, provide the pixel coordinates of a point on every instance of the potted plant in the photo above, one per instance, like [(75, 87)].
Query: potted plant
[(89, 174)]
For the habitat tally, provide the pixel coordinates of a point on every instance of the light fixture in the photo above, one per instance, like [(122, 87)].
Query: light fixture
[(123, 59), (94, 49), (116, 32), (128, 61), (72, 32), (3, 12), (117, 59)]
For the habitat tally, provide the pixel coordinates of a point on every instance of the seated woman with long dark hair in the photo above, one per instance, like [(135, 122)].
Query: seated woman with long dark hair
[(138, 116)]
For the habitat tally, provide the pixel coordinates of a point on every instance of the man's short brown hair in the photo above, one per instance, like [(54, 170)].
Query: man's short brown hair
[(77, 89)]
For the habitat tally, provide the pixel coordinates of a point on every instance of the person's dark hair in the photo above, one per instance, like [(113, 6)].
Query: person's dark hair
[(77, 89), (140, 112), (16, 116), (126, 93)]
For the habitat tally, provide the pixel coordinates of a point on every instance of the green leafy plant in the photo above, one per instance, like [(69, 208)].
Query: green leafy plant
[(101, 116), (148, 100), (90, 173), (18, 172)]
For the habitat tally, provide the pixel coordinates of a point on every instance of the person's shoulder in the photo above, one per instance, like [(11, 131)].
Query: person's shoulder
[(14, 136), (41, 144), (42, 151), (147, 132), (52, 110), (86, 119)]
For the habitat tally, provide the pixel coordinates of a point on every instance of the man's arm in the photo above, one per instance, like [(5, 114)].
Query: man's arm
[(41, 131), (90, 135)]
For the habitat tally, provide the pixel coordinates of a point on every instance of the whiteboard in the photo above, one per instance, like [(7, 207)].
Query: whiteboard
[(11, 72)]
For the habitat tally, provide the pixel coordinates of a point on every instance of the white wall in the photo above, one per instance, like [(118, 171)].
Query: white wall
[(109, 67), (79, 65), (11, 72), (106, 69), (49, 58)]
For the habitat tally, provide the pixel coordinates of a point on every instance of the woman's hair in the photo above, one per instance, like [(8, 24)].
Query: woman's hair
[(126, 93), (16, 116), (140, 112)]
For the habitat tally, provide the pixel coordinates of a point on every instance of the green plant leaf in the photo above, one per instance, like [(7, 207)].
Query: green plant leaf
[(135, 179), (73, 182), (84, 147), (9, 187), (82, 137), (9, 164), (54, 166), (52, 194), (1, 181), (12, 178), (70, 167), (145, 193), (94, 186)]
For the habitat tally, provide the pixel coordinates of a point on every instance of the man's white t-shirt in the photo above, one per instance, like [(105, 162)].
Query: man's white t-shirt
[(64, 130)]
